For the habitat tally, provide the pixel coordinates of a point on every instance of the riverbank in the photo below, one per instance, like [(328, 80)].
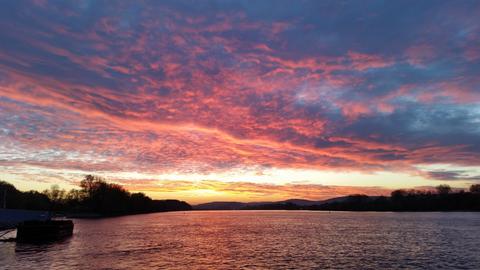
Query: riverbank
[(95, 198), (400, 201)]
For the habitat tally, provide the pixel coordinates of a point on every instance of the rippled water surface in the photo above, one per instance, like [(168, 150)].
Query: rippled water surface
[(260, 240)]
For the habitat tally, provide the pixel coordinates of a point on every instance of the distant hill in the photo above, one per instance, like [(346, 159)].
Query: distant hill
[(220, 206), (261, 205), (299, 202)]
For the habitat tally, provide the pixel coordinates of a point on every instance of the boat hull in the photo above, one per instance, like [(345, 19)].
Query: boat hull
[(38, 231)]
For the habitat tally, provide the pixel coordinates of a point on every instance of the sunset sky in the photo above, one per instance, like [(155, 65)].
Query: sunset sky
[(241, 100)]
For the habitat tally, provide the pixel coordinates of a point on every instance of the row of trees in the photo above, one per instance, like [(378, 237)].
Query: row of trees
[(439, 190), (95, 196), (15, 199), (442, 199)]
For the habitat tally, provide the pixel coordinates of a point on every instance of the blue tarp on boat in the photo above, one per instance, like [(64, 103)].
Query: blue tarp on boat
[(9, 218)]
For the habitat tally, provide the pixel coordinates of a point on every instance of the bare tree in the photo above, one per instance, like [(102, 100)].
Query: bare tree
[(443, 189), (475, 188), (55, 194)]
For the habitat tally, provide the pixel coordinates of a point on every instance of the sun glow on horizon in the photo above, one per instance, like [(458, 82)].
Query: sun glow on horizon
[(241, 185)]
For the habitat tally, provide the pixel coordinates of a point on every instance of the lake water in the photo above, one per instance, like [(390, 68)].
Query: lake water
[(260, 240)]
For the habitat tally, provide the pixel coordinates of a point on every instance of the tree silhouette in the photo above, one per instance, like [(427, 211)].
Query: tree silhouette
[(443, 189), (475, 188), (96, 196)]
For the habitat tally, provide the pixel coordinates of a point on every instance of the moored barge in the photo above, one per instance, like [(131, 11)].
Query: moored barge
[(48, 230)]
